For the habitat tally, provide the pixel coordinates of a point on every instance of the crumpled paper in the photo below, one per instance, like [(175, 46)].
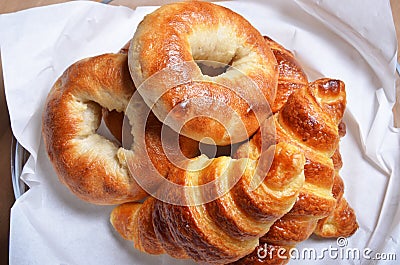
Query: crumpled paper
[(354, 42)]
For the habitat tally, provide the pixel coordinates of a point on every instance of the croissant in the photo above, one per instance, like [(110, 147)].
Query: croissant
[(225, 229), (309, 119)]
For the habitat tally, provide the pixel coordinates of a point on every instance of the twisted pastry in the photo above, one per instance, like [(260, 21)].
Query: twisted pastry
[(342, 221), (225, 229), (309, 119)]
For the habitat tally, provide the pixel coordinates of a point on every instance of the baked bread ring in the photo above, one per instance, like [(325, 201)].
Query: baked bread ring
[(169, 41), (91, 166)]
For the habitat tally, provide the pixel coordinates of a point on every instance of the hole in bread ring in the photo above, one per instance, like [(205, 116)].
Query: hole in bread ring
[(175, 37), (90, 165), (219, 120)]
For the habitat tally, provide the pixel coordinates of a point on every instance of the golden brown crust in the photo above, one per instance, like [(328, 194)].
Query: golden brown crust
[(302, 121), (260, 206), (310, 204), (190, 231), (92, 167), (164, 234), (197, 231), (146, 239), (201, 236), (331, 96), (291, 74), (342, 220), (280, 212), (153, 139), (337, 160), (132, 221), (319, 171), (308, 122), (154, 145), (114, 119), (123, 219), (70, 118), (289, 231), (174, 35)]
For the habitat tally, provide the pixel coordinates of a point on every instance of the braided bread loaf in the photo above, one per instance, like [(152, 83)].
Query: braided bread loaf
[(225, 229), (309, 119), (291, 78), (342, 220)]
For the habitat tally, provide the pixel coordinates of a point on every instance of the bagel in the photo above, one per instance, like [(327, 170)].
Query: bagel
[(162, 61), (91, 166)]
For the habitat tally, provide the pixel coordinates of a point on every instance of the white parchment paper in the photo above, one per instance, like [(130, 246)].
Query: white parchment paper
[(353, 41)]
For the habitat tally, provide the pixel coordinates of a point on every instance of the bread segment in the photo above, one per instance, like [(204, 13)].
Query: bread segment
[(228, 228)]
